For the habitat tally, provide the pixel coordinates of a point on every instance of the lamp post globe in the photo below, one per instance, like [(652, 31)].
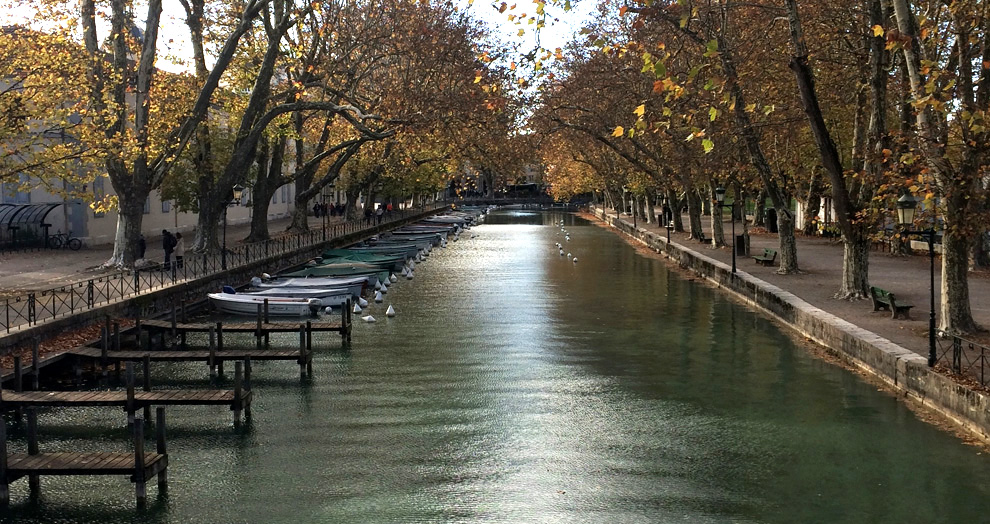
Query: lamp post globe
[(906, 207)]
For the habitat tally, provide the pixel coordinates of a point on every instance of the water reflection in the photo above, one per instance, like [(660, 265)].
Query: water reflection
[(518, 386)]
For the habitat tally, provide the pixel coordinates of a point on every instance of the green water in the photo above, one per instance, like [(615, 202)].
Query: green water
[(517, 386)]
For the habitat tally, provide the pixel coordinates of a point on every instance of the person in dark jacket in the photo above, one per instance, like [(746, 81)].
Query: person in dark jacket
[(168, 245), (142, 246)]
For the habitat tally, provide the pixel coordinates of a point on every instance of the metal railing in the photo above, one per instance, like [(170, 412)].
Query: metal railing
[(36, 307), (965, 357)]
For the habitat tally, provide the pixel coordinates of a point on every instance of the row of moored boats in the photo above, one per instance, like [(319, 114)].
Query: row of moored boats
[(330, 280)]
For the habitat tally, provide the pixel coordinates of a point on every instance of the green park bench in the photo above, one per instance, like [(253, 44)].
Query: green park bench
[(768, 257), (884, 300)]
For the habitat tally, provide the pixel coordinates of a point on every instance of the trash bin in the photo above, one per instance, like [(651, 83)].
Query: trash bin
[(772, 220), (740, 245)]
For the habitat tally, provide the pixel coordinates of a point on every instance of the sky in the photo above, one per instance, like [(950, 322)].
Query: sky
[(174, 40)]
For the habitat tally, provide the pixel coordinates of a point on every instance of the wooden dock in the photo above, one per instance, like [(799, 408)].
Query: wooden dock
[(132, 399), (261, 328), (139, 466)]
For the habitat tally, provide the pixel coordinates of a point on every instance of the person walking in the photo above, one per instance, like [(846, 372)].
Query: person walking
[(180, 249), (368, 213), (142, 246), (168, 245), (379, 214)]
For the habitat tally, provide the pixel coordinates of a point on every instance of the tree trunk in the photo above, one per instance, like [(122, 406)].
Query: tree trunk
[(208, 226), (261, 197), (718, 233), (651, 204), (130, 214), (352, 198), (855, 267), (760, 213), (813, 204), (694, 214), (675, 210), (981, 251), (955, 315)]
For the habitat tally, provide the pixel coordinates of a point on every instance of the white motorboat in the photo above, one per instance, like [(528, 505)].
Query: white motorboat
[(353, 284), (327, 297), (242, 304)]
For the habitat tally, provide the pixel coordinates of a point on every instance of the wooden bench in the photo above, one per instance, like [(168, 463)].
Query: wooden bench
[(884, 300), (768, 257)]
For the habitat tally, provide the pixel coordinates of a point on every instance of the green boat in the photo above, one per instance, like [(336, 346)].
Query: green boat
[(372, 275), (393, 261)]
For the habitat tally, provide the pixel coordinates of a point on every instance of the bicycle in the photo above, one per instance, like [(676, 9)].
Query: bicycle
[(64, 240)]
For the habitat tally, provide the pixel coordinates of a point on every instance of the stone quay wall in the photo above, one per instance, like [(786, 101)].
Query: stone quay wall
[(901, 370)]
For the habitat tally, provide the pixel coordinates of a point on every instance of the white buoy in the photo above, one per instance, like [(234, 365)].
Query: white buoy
[(369, 318), (362, 302), (412, 265), (561, 252), (405, 271), (378, 285), (568, 255), (393, 278), (357, 309), (378, 296), (328, 310), (266, 276), (409, 275), (390, 312), (575, 260)]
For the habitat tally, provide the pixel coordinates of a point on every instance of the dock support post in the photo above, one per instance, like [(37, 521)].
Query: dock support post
[(174, 327), (219, 336), (104, 350), (34, 480), (146, 361), (130, 393), (309, 347), (18, 375), (4, 486), (238, 373), (116, 336), (140, 489), (161, 449), (302, 350), (211, 360), (35, 366), (247, 387), (183, 304), (257, 331), (267, 340), (350, 322), (18, 385)]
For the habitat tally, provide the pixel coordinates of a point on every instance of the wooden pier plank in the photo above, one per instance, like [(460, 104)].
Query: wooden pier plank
[(13, 399)]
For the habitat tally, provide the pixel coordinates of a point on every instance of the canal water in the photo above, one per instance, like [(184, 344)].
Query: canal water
[(518, 386)]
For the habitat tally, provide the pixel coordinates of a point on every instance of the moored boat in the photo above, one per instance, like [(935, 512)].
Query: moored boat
[(238, 304)]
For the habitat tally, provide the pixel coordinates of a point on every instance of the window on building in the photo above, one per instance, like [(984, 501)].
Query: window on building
[(147, 205), (166, 206), (285, 190)]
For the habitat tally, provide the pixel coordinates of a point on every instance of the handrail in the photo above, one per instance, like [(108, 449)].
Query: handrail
[(31, 309)]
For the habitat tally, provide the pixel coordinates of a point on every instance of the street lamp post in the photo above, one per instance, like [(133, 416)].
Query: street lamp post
[(720, 197), (236, 193), (906, 206)]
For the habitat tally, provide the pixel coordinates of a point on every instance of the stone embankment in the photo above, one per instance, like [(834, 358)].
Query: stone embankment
[(900, 369)]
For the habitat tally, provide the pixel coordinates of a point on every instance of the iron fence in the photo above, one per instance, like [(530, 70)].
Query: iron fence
[(965, 357), (36, 307)]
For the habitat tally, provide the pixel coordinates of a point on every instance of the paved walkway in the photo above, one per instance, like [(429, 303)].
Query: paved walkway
[(820, 261), (40, 269)]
